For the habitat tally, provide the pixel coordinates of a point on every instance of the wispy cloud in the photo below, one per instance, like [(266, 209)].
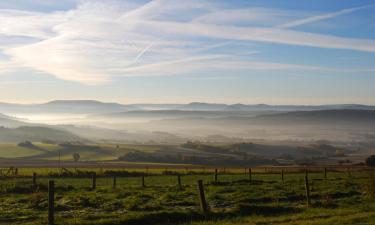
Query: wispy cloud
[(247, 16), (317, 18), (97, 40)]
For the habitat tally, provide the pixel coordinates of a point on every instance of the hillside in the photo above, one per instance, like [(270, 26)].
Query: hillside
[(7, 121), (36, 134), (344, 116), (320, 117)]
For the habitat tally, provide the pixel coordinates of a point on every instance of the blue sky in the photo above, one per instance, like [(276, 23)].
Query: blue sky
[(275, 52)]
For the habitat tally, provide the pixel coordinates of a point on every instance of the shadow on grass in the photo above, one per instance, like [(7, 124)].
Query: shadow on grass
[(265, 210), (243, 181), (289, 198), (168, 217), (28, 188)]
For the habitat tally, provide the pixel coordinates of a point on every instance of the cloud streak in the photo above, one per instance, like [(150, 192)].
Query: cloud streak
[(314, 19)]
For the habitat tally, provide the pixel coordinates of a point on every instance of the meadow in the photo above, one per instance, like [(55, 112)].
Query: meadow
[(88, 152), (345, 197)]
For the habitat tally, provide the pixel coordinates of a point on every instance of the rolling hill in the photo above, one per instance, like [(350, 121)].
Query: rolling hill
[(319, 117), (323, 117), (37, 134), (7, 121), (65, 107)]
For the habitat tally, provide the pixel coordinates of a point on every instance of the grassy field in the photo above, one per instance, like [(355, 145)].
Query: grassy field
[(12, 151), (95, 152), (54, 152), (342, 198)]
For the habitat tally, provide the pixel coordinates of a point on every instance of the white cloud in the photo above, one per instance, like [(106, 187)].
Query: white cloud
[(274, 35), (99, 40), (247, 16), (28, 24)]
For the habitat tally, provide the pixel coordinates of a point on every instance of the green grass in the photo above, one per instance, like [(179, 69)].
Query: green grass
[(267, 200), (14, 151), (51, 151)]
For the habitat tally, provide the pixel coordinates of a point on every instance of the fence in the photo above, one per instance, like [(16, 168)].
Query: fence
[(250, 173)]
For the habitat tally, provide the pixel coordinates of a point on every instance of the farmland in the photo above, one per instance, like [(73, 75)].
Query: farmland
[(104, 176), (246, 154), (344, 197)]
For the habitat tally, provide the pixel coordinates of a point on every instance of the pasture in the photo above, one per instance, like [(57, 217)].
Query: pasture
[(88, 152), (343, 197)]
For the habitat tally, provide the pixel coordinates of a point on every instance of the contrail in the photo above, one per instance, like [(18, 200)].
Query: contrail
[(322, 17), (135, 60)]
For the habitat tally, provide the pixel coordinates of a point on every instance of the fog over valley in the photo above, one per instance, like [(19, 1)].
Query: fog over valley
[(170, 123)]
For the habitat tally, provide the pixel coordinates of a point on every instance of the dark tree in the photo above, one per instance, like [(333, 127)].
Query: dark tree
[(76, 157), (370, 161)]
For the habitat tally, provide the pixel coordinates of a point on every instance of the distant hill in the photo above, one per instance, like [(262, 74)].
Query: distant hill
[(322, 118), (97, 107), (36, 134), (66, 106), (201, 106), (264, 107), (84, 103), (343, 116), (165, 114)]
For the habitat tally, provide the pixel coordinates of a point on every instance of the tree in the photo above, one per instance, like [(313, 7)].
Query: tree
[(370, 161), (76, 157), (27, 144)]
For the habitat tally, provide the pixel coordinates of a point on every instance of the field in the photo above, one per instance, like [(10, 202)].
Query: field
[(53, 152), (40, 154), (88, 152), (345, 197)]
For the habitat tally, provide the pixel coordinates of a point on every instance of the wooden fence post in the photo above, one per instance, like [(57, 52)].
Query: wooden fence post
[(349, 172), (143, 181), (179, 181), (250, 175), (93, 185), (307, 187), (215, 175), (34, 180), (282, 175), (325, 173), (114, 181), (51, 202), (202, 197)]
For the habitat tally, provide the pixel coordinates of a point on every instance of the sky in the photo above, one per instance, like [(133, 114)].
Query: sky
[(169, 51)]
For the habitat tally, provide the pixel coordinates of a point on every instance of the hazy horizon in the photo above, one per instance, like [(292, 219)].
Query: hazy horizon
[(187, 102)]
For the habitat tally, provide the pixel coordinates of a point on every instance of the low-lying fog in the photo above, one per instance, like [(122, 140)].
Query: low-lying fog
[(104, 121), (51, 119)]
